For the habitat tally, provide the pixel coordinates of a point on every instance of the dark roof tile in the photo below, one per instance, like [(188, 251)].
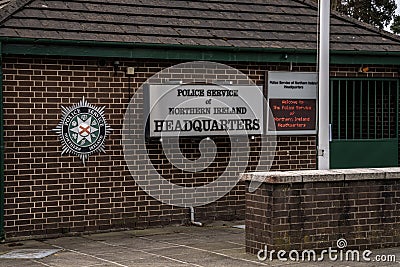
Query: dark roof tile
[(9, 32), (237, 23)]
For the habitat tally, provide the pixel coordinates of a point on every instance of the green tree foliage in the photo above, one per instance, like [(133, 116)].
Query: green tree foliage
[(375, 12), (395, 27)]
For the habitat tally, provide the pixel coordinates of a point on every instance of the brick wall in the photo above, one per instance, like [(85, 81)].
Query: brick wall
[(293, 215), (47, 194)]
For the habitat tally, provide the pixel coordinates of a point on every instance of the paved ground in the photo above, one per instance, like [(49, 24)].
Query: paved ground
[(218, 245)]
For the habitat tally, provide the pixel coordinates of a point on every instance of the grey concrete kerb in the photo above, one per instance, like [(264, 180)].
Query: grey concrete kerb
[(279, 177)]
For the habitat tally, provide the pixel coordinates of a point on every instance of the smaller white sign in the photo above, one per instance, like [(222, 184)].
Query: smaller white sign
[(295, 85), (203, 110), (292, 99)]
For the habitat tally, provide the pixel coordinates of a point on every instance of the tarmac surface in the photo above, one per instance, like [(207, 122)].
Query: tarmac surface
[(215, 245)]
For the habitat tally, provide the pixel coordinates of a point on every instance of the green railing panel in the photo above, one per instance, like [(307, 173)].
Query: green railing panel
[(364, 118), (364, 153)]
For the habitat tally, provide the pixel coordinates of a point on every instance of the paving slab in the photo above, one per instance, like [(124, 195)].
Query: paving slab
[(125, 255), (70, 258), (171, 251), (134, 244), (213, 245), (20, 263), (216, 246)]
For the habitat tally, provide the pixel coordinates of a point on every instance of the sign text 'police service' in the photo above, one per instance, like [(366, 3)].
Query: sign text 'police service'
[(203, 110)]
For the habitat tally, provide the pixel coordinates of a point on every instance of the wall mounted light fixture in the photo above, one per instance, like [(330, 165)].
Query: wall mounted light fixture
[(116, 66)]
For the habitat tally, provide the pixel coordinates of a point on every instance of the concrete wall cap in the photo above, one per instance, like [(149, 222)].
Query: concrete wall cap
[(272, 177), (361, 174), (322, 175), (390, 173)]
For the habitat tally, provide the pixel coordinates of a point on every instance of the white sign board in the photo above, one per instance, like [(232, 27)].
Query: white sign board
[(292, 99), (203, 110)]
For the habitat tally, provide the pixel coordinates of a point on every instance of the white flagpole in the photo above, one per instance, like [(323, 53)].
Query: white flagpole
[(323, 91)]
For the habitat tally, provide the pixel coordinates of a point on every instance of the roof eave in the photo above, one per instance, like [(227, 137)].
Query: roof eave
[(33, 46), (49, 47)]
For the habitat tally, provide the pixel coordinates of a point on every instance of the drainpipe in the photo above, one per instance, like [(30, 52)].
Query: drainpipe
[(2, 233), (192, 218), (323, 88)]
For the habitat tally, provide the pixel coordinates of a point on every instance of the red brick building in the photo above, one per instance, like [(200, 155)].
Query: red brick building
[(53, 53)]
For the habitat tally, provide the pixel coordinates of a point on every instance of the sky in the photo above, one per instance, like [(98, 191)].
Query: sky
[(398, 6), (397, 13)]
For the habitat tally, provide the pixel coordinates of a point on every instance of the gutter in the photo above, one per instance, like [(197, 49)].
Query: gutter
[(50, 47), (151, 45), (106, 49), (108, 44), (2, 232)]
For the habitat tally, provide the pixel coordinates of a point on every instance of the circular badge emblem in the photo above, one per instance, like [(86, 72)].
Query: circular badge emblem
[(83, 130)]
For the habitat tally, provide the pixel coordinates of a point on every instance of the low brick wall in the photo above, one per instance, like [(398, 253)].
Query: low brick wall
[(299, 210)]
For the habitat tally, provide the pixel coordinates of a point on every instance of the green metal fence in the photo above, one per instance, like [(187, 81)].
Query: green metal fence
[(2, 179), (364, 122)]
